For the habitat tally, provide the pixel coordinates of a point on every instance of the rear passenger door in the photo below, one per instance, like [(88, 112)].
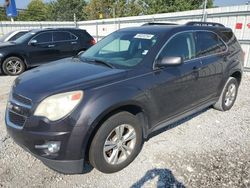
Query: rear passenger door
[(66, 43), (212, 52)]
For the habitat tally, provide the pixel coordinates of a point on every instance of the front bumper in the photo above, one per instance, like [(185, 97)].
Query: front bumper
[(66, 167), (31, 132), (27, 141)]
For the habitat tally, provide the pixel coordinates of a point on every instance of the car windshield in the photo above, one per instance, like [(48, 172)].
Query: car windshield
[(122, 49), (2, 39), (25, 37)]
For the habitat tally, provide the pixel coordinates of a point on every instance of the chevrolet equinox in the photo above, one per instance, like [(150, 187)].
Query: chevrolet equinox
[(101, 107), (41, 46)]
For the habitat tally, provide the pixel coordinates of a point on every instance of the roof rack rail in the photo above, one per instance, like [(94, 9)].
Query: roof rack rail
[(158, 23), (213, 24)]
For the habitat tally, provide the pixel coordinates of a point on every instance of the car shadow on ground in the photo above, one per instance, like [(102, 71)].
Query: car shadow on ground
[(165, 178), (173, 125)]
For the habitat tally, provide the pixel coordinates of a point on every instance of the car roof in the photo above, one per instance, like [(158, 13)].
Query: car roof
[(165, 27), (57, 29)]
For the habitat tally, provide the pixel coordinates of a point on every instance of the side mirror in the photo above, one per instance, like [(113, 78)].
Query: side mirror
[(169, 61), (79, 54), (33, 42)]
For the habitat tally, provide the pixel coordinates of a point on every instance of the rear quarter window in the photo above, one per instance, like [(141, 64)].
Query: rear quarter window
[(85, 36), (230, 39)]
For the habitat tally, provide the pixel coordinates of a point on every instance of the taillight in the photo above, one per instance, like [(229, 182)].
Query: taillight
[(92, 42)]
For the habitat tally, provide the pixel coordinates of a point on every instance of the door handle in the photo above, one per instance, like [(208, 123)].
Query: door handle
[(196, 69), (73, 42), (196, 72), (51, 46)]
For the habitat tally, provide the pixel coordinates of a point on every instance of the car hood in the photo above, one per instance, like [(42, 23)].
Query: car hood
[(64, 75), (6, 44)]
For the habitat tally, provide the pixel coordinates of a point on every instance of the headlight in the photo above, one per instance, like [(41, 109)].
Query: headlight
[(58, 106)]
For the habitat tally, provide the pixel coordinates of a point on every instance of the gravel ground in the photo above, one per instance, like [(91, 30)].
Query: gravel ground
[(210, 149)]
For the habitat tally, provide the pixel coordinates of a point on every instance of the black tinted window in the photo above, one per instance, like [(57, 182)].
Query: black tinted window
[(16, 36), (182, 45), (209, 43), (63, 36), (44, 37), (73, 37)]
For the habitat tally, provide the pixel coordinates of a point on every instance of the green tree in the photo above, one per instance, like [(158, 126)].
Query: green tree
[(112, 8), (3, 16), (36, 11), (164, 6), (64, 10), (120, 8), (95, 8)]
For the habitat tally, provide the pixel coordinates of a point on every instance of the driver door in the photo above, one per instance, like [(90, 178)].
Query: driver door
[(177, 85), (43, 50)]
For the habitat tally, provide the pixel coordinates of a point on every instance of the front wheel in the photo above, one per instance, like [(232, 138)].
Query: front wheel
[(13, 66), (228, 95), (117, 143)]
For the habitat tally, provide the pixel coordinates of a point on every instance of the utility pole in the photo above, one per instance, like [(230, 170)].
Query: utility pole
[(204, 14)]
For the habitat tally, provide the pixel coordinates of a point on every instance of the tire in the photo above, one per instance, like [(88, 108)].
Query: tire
[(102, 157), (228, 95), (13, 66)]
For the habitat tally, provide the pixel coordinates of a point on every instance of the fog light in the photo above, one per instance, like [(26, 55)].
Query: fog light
[(50, 147), (54, 147)]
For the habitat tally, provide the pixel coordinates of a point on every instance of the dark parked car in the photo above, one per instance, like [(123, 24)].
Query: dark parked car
[(102, 107), (13, 35), (41, 46)]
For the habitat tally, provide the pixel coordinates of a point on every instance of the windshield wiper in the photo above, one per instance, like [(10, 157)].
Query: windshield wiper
[(100, 62)]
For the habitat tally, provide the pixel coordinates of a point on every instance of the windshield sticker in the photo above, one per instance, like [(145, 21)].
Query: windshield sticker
[(143, 36)]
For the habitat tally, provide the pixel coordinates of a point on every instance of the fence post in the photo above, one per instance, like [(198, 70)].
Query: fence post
[(2, 29), (119, 24), (97, 37)]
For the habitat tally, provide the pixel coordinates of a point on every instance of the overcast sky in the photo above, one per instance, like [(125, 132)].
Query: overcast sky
[(23, 3)]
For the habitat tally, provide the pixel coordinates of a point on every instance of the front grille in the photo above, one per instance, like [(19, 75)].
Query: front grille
[(19, 109), (21, 99), (16, 119)]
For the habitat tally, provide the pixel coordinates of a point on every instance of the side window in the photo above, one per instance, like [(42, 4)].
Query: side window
[(73, 37), (123, 46), (43, 37), (182, 45), (228, 36), (208, 43), (61, 36)]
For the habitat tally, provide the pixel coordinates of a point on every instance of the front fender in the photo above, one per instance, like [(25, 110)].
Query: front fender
[(100, 103)]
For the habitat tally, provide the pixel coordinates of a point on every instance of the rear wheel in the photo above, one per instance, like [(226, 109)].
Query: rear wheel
[(228, 95), (13, 66), (116, 143)]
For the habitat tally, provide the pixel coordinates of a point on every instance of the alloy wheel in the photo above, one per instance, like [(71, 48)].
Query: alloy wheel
[(230, 95), (14, 67), (119, 144)]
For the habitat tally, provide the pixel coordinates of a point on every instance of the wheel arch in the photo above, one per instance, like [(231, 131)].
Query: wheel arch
[(237, 75), (134, 109), (15, 55)]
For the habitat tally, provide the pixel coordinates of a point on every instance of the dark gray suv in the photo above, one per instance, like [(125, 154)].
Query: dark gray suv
[(101, 107)]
